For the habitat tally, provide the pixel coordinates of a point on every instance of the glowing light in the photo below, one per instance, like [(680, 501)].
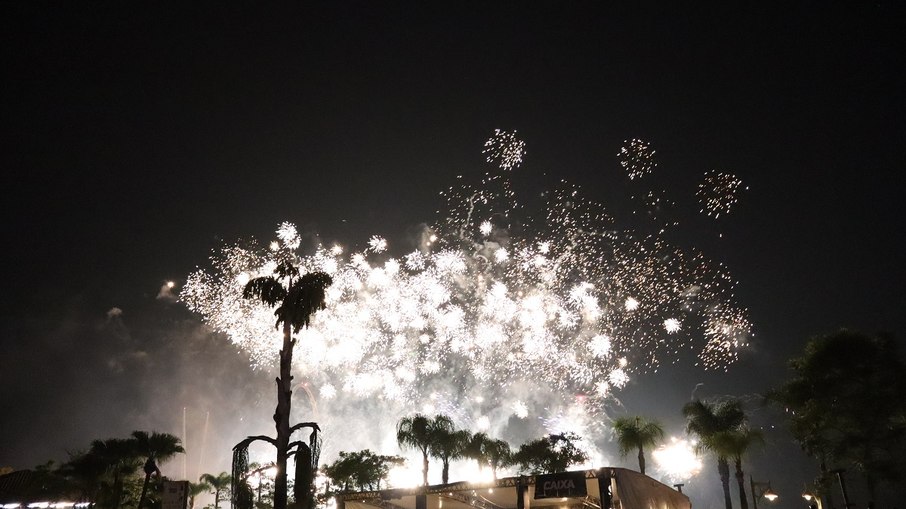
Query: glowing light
[(672, 325), (631, 304), (561, 304), (677, 460)]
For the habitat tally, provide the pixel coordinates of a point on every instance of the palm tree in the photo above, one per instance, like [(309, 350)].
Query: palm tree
[(736, 444), (707, 421), (154, 447), (119, 455), (637, 433), (195, 489), (419, 432), (447, 444), (296, 299), (476, 447), (499, 455), (219, 483)]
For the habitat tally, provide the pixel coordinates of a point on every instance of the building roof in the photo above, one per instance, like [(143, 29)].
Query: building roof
[(629, 490)]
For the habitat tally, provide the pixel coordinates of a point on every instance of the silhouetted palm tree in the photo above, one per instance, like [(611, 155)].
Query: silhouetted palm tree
[(195, 489), (736, 444), (499, 455), (447, 444), (219, 483), (476, 447), (154, 447), (637, 433), (707, 421), (419, 432), (297, 298)]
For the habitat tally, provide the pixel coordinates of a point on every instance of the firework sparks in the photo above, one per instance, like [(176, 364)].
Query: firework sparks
[(677, 460), (504, 149), (718, 193), (637, 158), (568, 306)]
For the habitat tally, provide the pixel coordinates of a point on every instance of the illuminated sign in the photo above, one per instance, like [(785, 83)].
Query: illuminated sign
[(565, 484)]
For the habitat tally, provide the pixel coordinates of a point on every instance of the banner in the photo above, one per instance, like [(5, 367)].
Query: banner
[(564, 484)]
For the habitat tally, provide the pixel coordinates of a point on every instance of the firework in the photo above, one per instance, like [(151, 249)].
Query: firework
[(677, 460), (504, 149), (482, 323), (637, 158), (718, 193)]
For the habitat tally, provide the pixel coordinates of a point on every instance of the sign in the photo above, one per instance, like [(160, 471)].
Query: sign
[(564, 484), (175, 495)]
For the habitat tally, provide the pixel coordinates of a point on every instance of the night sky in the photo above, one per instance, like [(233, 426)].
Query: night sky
[(139, 138)]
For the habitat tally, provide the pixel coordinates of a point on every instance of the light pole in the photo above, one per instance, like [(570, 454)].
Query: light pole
[(765, 492)]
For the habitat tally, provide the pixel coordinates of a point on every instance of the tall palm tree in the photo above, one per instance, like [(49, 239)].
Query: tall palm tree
[(154, 447), (736, 444), (419, 432), (296, 299), (447, 444), (637, 433), (499, 455), (219, 484), (707, 421), (195, 489), (476, 448)]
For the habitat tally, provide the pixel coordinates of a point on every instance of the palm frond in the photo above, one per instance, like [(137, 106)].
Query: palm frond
[(264, 289)]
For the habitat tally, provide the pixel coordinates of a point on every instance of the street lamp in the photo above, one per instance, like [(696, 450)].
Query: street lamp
[(761, 489)]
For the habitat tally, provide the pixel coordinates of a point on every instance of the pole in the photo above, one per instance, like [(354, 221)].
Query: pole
[(842, 482), (754, 498)]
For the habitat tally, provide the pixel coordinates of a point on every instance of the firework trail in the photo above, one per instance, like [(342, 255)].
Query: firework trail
[(494, 318)]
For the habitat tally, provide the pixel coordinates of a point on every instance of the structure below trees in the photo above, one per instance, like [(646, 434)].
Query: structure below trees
[(604, 488)]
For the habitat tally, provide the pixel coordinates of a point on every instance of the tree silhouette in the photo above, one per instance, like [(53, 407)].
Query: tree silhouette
[(296, 299), (363, 470), (476, 449), (499, 455), (154, 447), (195, 489), (637, 433), (846, 404), (708, 421), (419, 432), (219, 484), (736, 444), (549, 454), (447, 444)]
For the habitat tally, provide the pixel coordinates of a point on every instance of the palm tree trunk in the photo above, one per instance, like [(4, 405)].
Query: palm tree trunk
[(141, 499), (216, 498), (445, 474), (741, 481), (641, 461), (723, 467), (424, 466), (281, 416)]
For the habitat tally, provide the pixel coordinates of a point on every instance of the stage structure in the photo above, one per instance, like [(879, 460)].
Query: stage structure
[(604, 488)]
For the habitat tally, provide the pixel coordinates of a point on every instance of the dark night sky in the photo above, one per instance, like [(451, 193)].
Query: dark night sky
[(138, 138)]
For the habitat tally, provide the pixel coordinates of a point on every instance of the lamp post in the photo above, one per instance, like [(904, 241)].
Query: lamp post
[(765, 491)]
